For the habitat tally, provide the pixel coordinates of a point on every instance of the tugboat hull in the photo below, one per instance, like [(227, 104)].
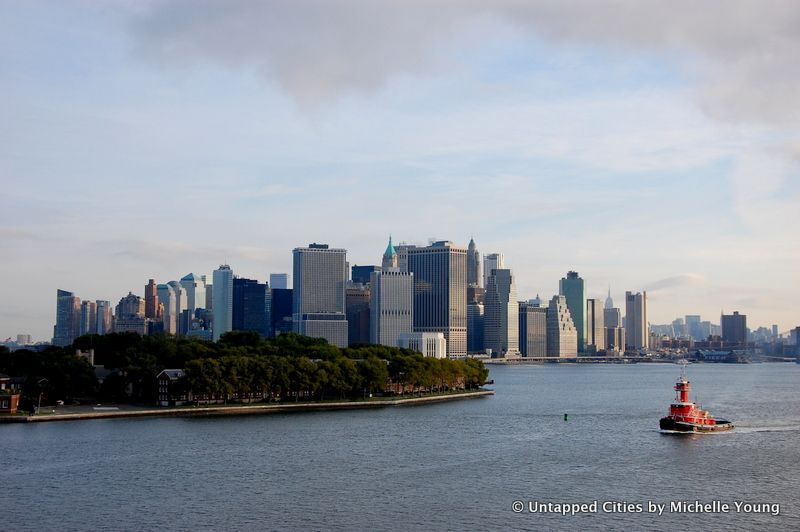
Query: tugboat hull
[(667, 423)]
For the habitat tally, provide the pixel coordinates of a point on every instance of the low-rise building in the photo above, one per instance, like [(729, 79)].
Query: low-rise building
[(430, 344), (170, 390)]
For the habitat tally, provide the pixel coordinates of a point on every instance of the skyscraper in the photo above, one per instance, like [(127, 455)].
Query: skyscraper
[(734, 328), (532, 330), (390, 258), (501, 318), (169, 305), (151, 300), (361, 274), (475, 315), (195, 288), (440, 292), (356, 303), (474, 274), (492, 261), (250, 307), (88, 318), (391, 306), (222, 288), (562, 337), (609, 302), (279, 281), (68, 318), (105, 321), (595, 325), (281, 310), (637, 333), (319, 278), (573, 288), (693, 327), (129, 315)]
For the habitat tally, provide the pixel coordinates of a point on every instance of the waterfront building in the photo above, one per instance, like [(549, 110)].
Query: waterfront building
[(595, 326), (88, 318), (532, 330), (356, 302), (440, 292), (68, 318), (279, 281), (281, 310), (168, 305), (734, 328), (501, 318), (195, 287), (319, 277), (475, 317), (361, 274), (615, 340), (104, 316), (391, 306), (562, 337), (222, 298), (428, 343), (492, 261), (151, 300), (637, 334), (474, 271), (250, 307), (573, 289)]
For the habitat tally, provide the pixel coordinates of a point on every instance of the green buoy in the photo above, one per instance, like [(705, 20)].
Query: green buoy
[(566, 417)]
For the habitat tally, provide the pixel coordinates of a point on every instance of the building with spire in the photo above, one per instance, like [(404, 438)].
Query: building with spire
[(474, 275), (609, 301), (390, 257)]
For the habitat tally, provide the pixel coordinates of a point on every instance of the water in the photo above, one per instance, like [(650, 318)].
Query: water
[(453, 466)]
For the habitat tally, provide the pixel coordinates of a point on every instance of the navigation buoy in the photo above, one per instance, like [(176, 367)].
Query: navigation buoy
[(566, 417)]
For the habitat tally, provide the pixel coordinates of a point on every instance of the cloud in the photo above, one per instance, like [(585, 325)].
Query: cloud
[(677, 281)]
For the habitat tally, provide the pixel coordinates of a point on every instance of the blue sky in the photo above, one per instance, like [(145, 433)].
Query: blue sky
[(645, 150)]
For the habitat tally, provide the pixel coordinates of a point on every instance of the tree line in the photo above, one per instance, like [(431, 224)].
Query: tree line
[(241, 366)]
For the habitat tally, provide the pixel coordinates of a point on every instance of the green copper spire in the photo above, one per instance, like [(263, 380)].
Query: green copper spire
[(389, 249)]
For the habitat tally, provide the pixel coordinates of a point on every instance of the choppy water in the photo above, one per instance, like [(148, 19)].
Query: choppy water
[(453, 466)]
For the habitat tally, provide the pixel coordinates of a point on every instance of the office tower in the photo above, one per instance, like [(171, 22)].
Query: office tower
[(429, 344), (474, 273), (279, 281), (390, 258), (129, 315), (180, 297), (195, 287), (402, 251), (391, 306), (536, 302), (678, 329), (151, 300), (637, 334), (532, 330), (475, 316), (169, 308), (222, 297), (104, 316), (356, 304), (609, 302), (615, 339), (88, 318), (734, 328), (774, 331), (319, 277), (573, 288), (68, 318), (210, 296), (501, 318), (250, 307), (595, 325), (612, 317), (360, 274), (562, 337), (492, 261), (281, 310), (693, 327), (440, 292)]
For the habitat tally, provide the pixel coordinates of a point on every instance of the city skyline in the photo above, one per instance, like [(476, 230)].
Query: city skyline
[(611, 147)]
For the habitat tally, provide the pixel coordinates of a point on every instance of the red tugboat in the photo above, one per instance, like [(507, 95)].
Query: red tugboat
[(685, 416)]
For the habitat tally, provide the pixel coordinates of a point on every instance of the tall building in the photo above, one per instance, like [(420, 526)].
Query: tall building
[(180, 299), (474, 272), (391, 306), (615, 339), (105, 320), (637, 333), (129, 315), (319, 277), (281, 310), (250, 307), (402, 251), (595, 325), (222, 297), (501, 318), (734, 328), (562, 337), (609, 302), (573, 288), (492, 261), (678, 328), (694, 327), (532, 330), (475, 316), (360, 274), (390, 258), (169, 308), (68, 318), (151, 300), (279, 281), (356, 303), (195, 287), (88, 318), (440, 292)]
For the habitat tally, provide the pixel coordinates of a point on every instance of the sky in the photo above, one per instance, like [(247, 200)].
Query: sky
[(647, 145)]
